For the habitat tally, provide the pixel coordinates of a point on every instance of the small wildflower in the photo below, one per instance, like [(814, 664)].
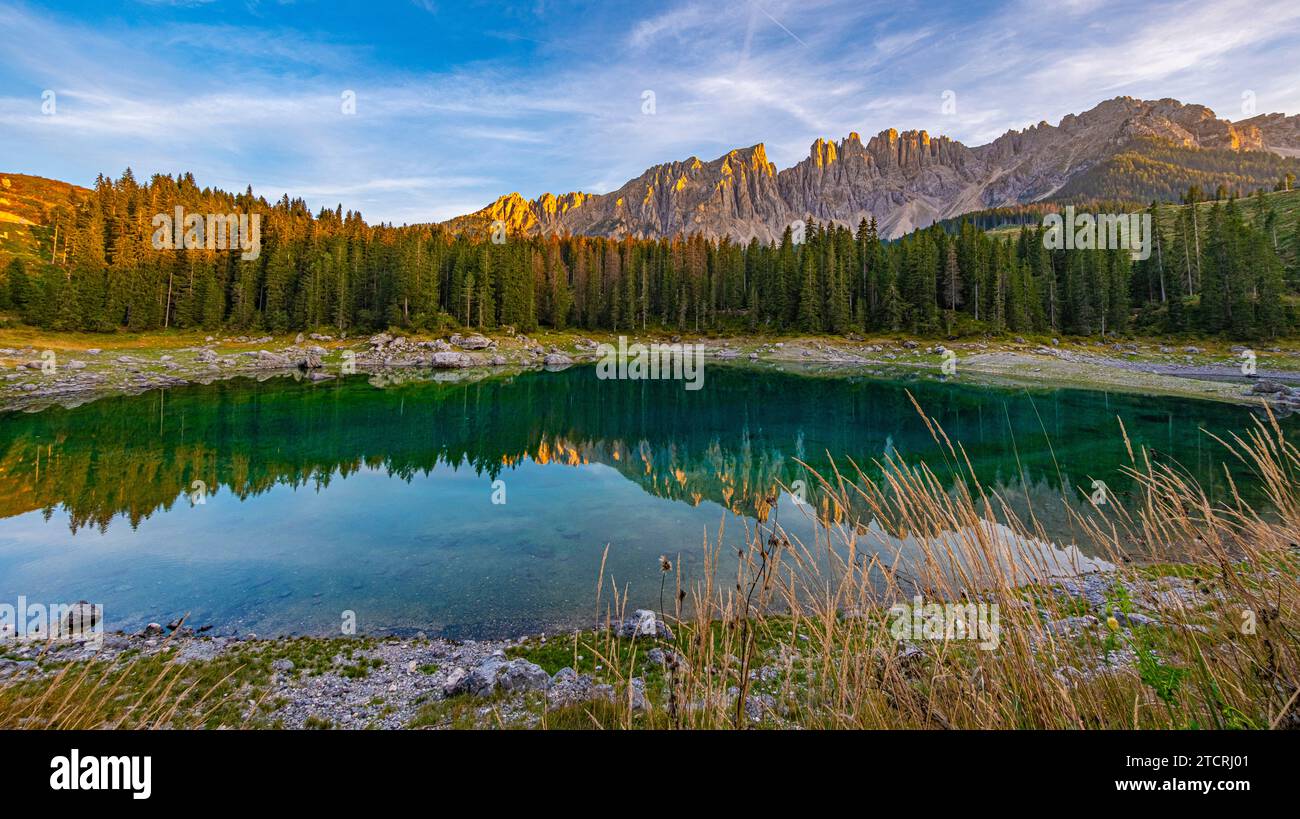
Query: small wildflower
[(665, 565), (1113, 623)]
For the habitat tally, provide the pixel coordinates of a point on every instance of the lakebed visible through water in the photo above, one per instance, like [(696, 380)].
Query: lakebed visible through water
[(480, 509)]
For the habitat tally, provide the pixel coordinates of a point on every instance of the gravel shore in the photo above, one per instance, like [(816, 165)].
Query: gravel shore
[(31, 379), (393, 683)]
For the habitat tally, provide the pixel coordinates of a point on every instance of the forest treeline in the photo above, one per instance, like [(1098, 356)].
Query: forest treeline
[(1219, 269)]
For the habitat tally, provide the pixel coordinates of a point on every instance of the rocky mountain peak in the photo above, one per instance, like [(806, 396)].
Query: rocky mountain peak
[(553, 205), (904, 179), (822, 152), (514, 210), (753, 158)]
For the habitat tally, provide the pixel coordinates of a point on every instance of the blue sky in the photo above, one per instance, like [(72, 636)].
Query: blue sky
[(459, 102)]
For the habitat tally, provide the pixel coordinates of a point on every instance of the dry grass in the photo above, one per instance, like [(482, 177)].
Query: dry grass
[(139, 692), (815, 617)]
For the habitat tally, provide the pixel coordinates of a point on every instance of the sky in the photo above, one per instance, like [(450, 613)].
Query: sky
[(420, 110)]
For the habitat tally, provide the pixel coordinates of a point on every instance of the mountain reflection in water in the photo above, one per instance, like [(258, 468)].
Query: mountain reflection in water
[(341, 495)]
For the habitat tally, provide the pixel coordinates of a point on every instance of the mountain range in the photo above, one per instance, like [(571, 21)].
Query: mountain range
[(910, 179)]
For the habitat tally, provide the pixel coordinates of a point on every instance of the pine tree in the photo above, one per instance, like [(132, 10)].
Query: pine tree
[(839, 316), (483, 309), (810, 316), (279, 283), (1271, 317), (1295, 254), (1118, 272), (952, 285), (17, 292), (1175, 310), (103, 273)]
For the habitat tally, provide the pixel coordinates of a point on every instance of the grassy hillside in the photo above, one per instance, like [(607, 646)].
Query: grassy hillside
[(1157, 170), (26, 204), (1286, 204)]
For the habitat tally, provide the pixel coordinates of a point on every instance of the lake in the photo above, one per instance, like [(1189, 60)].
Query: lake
[(477, 509)]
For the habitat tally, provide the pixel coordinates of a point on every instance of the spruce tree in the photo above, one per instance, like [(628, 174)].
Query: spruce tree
[(810, 316), (17, 291), (1271, 315)]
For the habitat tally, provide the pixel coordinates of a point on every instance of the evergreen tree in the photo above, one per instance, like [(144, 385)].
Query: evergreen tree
[(810, 301), (17, 292), (1239, 264)]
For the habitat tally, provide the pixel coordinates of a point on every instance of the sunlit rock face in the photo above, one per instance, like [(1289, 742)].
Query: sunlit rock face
[(1279, 133), (902, 179)]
